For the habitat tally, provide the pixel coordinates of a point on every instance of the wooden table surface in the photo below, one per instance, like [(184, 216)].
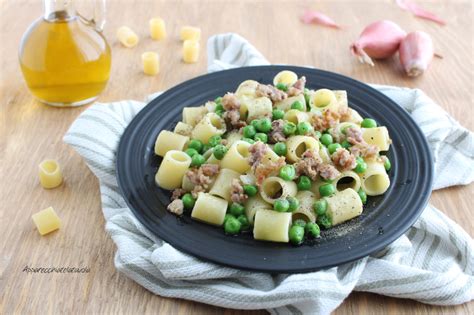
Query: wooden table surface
[(31, 132)]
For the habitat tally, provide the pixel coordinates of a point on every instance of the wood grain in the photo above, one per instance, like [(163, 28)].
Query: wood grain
[(30, 132)]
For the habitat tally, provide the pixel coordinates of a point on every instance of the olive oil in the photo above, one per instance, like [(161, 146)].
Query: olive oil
[(64, 61)]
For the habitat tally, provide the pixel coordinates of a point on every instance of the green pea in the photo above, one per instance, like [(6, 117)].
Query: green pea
[(303, 128), (196, 145), (264, 125), (361, 166), (304, 183), (324, 221), (317, 134), (255, 123), (282, 87), (368, 123), (327, 180), (251, 141), (227, 216), (236, 209), (188, 201), (387, 164), (296, 234), (300, 222), (294, 204), (287, 172), (250, 190), (280, 148), (326, 139), (249, 131), (197, 160), (327, 190), (219, 151), (289, 128), (312, 230), (362, 195), (244, 222), (299, 106), (278, 114), (281, 205), (218, 100), (333, 147), (320, 207), (191, 152), (345, 144), (232, 226), (220, 112), (215, 140), (260, 136), (307, 96)]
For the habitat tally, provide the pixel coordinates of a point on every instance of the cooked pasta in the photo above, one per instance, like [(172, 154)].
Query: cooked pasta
[(281, 161), (271, 226), (209, 209)]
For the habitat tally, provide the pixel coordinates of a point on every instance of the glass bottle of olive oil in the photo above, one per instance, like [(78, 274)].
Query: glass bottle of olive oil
[(64, 57)]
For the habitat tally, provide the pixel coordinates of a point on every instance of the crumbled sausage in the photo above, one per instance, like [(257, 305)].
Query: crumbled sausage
[(343, 159), (326, 120), (271, 92), (309, 164), (177, 193), (237, 192), (345, 114), (201, 177), (176, 206), (230, 102), (354, 135), (257, 152), (263, 170), (328, 171), (364, 149), (276, 134), (297, 88)]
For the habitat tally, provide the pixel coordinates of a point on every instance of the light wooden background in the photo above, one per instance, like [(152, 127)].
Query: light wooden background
[(31, 132)]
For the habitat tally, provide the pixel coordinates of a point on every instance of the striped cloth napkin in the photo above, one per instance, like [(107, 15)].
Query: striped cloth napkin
[(432, 263)]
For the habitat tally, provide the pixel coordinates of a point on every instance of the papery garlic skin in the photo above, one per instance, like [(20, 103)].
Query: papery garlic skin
[(378, 40), (416, 52)]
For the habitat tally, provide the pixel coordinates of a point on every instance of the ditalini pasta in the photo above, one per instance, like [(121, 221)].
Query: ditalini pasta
[(46, 221), (150, 63), (190, 51), (127, 37), (280, 160), (157, 28), (190, 33), (50, 174)]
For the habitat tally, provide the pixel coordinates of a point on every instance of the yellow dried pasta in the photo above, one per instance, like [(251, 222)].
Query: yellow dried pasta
[(157, 28), (50, 174), (190, 33), (151, 63), (46, 221), (190, 51), (127, 37)]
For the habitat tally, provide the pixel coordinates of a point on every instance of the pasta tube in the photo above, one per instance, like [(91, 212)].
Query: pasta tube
[(253, 204), (172, 169), (223, 184), (247, 88), (377, 136), (285, 104), (341, 99), (305, 210), (343, 206), (50, 174), (190, 51), (296, 116), (297, 145), (193, 115), (271, 226), (285, 77), (256, 108), (150, 63), (323, 99), (209, 126), (209, 209), (374, 180), (348, 179), (168, 140), (46, 221), (190, 33), (274, 188), (183, 129), (127, 37), (237, 157), (157, 28)]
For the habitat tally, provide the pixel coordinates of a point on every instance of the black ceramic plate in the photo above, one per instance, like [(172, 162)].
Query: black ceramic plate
[(385, 218)]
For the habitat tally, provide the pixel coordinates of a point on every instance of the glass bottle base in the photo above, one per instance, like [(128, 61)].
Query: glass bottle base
[(73, 104)]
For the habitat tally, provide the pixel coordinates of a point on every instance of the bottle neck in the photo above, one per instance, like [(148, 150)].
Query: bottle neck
[(58, 10)]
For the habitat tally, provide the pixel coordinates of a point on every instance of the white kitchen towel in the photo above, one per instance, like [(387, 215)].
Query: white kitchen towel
[(432, 263)]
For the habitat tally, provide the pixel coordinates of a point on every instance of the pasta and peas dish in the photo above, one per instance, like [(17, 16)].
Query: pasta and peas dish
[(281, 161)]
